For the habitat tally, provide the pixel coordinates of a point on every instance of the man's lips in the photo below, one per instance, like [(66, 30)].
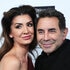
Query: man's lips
[(47, 45), (47, 42)]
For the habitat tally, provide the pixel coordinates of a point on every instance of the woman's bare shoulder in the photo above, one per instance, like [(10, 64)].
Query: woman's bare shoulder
[(9, 62)]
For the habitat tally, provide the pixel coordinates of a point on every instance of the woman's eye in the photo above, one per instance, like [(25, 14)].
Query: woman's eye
[(30, 24), (18, 26)]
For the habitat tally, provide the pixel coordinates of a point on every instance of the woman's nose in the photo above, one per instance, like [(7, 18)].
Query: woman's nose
[(25, 30)]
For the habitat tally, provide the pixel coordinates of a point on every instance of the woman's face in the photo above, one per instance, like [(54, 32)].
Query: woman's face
[(22, 30)]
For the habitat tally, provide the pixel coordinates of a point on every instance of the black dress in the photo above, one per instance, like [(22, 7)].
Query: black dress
[(30, 64)]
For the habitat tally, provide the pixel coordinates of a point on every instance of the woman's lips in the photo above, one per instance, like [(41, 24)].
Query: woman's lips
[(27, 37)]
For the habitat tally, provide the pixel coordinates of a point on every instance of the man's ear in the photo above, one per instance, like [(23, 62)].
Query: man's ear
[(65, 32)]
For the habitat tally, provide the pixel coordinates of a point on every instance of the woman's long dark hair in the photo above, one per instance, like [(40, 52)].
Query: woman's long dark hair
[(6, 24)]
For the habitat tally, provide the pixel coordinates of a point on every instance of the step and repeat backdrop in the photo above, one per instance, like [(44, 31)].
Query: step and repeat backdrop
[(39, 5)]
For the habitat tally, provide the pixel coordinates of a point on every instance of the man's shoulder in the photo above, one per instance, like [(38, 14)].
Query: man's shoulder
[(67, 44), (42, 56), (67, 41)]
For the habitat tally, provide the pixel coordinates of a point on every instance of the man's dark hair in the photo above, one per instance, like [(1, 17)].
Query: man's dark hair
[(53, 13)]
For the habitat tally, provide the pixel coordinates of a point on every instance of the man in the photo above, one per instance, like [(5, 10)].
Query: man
[(51, 37)]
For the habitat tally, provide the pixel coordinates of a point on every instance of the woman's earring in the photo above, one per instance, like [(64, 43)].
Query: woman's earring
[(11, 36)]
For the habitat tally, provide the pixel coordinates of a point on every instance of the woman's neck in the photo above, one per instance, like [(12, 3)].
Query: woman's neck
[(21, 52)]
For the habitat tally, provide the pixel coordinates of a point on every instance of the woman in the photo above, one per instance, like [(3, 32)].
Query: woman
[(19, 38)]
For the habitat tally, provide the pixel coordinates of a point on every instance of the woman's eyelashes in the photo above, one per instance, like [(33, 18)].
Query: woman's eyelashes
[(19, 25), (30, 24)]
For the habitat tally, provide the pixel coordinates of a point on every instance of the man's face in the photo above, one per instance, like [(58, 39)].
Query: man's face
[(49, 35)]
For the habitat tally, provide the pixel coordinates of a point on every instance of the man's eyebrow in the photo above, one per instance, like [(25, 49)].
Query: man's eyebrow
[(39, 29), (51, 29)]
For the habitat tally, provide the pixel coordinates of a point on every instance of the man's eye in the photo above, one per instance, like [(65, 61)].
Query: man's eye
[(40, 32), (52, 31), (30, 24)]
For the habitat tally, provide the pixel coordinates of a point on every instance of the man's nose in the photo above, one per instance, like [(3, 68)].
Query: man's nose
[(46, 35)]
